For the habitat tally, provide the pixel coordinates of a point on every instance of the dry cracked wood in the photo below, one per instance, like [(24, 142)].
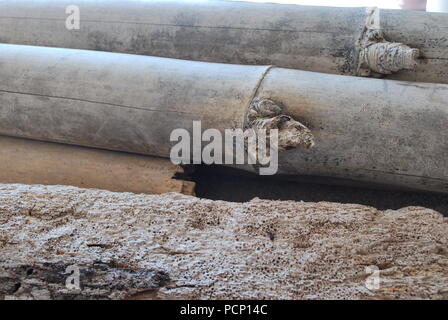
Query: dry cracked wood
[(177, 246)]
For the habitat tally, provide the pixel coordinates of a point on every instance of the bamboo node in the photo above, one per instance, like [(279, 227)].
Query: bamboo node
[(267, 114), (384, 57)]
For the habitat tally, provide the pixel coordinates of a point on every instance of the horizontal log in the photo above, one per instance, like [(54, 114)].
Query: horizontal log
[(128, 246), (35, 162), (117, 101), (371, 130), (321, 39)]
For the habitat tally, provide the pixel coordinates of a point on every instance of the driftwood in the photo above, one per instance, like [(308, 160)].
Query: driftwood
[(175, 246), (370, 130), (34, 162), (321, 39)]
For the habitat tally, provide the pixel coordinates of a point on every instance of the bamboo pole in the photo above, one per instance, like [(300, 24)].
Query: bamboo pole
[(371, 130), (320, 39)]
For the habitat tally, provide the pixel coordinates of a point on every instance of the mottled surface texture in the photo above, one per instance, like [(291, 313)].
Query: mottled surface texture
[(176, 246), (320, 39)]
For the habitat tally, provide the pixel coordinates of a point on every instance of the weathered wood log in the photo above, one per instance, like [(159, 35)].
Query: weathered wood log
[(371, 130), (35, 162), (321, 39), (174, 246)]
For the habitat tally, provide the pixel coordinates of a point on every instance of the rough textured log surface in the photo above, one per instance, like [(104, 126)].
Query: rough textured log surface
[(177, 246), (321, 39), (36, 162)]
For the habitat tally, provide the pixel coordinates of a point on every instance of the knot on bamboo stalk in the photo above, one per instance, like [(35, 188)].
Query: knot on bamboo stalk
[(265, 114), (384, 57)]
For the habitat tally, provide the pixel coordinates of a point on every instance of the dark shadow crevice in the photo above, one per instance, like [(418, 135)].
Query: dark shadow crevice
[(221, 183)]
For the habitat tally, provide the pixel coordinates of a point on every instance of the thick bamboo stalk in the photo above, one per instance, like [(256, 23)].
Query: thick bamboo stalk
[(35, 162), (371, 130), (117, 101), (321, 39)]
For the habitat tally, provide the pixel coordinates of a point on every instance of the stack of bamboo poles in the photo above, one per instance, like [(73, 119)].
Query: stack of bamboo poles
[(370, 84)]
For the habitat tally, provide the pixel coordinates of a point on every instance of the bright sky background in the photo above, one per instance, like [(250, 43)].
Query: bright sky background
[(387, 4)]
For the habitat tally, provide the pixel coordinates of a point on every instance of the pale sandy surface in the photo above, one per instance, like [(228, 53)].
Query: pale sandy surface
[(176, 246)]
